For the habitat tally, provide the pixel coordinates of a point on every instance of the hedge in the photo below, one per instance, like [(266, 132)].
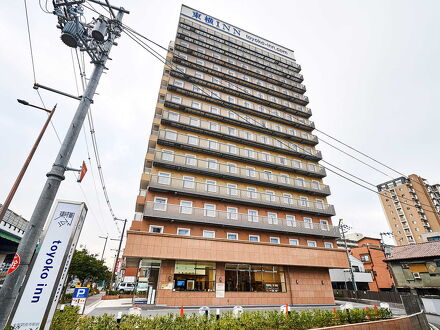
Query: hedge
[(70, 320)]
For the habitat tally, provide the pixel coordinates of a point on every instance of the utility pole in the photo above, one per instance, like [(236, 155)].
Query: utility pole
[(73, 35), (342, 229), (28, 159), (103, 250), (119, 251)]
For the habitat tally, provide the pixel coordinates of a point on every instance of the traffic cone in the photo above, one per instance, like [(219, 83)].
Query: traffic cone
[(181, 311)]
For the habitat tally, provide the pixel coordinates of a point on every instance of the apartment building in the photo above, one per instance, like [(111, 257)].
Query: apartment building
[(232, 207), (412, 208)]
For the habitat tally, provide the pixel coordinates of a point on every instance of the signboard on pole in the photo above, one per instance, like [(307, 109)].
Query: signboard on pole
[(15, 263), (47, 276), (79, 298)]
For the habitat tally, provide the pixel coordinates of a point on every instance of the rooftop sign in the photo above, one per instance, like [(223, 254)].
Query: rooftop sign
[(236, 32)]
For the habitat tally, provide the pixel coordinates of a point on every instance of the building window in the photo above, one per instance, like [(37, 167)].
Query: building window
[(211, 186), (171, 135), (181, 69), (198, 75), (254, 238), (215, 110), (213, 144), (190, 160), (156, 229), (304, 201), (311, 243), (174, 116), (284, 178), (232, 131), (250, 171), (268, 175), (254, 278), (212, 164), (209, 210), (253, 215), (194, 121), (164, 178), (270, 196), (232, 189), (319, 203), (232, 149), (232, 213), (299, 182), (168, 155), (324, 224), (308, 223), (214, 127), (249, 153), (186, 207), (365, 258), (293, 241), (272, 218), (231, 168), (160, 204), (252, 192), (233, 236), (328, 245), (194, 276), (290, 220), (274, 240), (183, 231), (287, 198), (176, 99), (194, 140), (209, 233), (178, 83)]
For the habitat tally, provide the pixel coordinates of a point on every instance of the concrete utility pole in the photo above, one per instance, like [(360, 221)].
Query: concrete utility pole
[(103, 250), (28, 159), (26, 248), (119, 251), (342, 228)]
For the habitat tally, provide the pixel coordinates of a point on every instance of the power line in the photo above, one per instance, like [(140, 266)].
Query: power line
[(141, 43), (167, 63)]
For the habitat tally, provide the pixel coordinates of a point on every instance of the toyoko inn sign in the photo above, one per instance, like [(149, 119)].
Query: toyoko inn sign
[(44, 285), (236, 32)]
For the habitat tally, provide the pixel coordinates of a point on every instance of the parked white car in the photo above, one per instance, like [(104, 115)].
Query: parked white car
[(125, 287)]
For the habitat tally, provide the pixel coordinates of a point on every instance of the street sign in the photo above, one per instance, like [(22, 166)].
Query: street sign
[(14, 264), (42, 289), (79, 298)]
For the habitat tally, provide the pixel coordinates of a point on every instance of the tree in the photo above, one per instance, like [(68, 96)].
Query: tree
[(86, 267)]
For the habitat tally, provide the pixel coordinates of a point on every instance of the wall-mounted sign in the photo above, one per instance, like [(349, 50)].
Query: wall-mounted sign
[(43, 287), (236, 32), (14, 264), (219, 290)]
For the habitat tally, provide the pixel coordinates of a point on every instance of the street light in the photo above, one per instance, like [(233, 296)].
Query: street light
[(28, 159)]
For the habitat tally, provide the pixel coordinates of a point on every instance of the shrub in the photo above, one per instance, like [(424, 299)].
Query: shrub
[(70, 320), (112, 293)]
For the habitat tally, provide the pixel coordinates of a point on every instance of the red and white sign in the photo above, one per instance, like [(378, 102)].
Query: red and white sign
[(15, 263)]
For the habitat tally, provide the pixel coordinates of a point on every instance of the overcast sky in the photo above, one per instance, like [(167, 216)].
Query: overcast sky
[(371, 69)]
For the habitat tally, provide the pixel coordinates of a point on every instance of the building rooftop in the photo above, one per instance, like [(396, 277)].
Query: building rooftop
[(415, 251)]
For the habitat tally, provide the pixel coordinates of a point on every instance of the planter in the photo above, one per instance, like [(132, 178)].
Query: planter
[(123, 295), (106, 297)]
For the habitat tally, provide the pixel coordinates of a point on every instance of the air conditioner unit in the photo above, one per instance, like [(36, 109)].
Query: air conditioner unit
[(416, 275)]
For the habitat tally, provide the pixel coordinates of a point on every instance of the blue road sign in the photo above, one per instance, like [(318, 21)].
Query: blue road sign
[(80, 293)]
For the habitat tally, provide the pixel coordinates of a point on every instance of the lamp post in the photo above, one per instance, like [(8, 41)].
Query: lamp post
[(28, 159)]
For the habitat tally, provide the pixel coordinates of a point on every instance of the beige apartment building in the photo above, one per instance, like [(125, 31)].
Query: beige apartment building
[(232, 207), (412, 208)]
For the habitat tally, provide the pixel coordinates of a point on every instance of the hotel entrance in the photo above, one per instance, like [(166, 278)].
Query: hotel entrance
[(148, 277)]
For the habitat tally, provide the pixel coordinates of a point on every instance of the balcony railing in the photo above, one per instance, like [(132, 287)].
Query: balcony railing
[(209, 126), (250, 139), (172, 160), (233, 152), (214, 191), (273, 114), (238, 220)]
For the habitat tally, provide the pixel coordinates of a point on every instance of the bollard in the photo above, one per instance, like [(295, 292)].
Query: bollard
[(119, 317), (217, 314), (62, 308), (204, 310), (181, 311)]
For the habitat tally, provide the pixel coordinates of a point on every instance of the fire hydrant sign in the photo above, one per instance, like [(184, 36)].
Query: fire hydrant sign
[(40, 294), (15, 263)]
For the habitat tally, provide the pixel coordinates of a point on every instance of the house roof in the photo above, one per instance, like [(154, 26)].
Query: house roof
[(414, 251)]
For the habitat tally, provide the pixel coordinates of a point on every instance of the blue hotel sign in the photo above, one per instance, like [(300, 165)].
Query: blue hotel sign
[(236, 32)]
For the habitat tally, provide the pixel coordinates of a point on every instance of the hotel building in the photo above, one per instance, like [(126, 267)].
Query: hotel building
[(232, 206), (412, 208)]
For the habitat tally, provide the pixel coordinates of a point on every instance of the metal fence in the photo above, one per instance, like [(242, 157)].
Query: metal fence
[(384, 296)]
